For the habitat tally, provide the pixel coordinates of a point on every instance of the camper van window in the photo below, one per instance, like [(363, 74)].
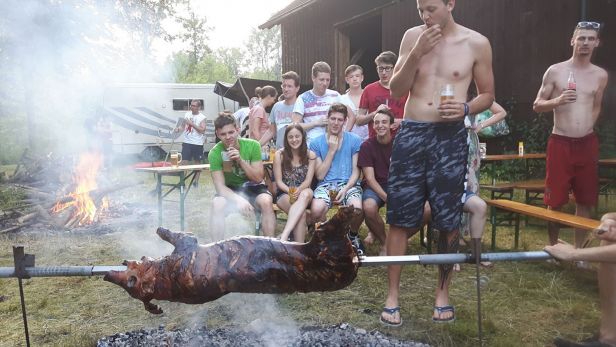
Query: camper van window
[(184, 104)]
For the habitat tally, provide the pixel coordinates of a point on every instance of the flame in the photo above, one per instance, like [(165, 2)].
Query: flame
[(84, 176)]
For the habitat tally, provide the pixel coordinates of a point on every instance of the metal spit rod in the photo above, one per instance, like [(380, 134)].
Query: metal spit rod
[(423, 259), (453, 258), (61, 271)]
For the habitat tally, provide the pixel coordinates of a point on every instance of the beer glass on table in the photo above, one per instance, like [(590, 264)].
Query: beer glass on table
[(175, 158)]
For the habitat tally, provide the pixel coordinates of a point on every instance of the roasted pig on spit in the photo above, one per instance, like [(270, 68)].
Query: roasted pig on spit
[(194, 273)]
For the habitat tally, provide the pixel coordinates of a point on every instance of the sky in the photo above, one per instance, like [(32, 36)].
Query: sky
[(232, 21)]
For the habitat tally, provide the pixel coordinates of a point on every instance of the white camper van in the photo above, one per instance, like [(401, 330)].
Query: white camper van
[(143, 115)]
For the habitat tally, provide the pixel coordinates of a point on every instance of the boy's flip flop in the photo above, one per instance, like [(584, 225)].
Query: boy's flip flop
[(442, 309), (391, 311)]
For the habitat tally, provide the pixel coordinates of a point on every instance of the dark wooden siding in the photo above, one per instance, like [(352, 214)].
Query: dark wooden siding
[(309, 37), (527, 36)]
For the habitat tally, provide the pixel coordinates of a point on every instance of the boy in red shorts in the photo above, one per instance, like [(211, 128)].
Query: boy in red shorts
[(573, 89)]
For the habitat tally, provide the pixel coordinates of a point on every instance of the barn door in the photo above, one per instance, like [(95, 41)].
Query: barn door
[(342, 57)]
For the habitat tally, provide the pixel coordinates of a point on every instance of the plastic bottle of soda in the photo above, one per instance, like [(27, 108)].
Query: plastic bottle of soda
[(571, 81)]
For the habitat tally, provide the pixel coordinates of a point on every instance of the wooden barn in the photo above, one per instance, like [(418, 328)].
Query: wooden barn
[(526, 36)]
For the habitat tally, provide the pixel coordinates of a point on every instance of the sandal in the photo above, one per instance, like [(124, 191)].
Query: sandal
[(391, 311), (442, 309)]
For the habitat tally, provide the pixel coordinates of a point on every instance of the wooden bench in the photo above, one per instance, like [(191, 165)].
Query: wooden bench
[(519, 208)]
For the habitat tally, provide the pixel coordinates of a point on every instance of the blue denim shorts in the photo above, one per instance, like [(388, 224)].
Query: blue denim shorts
[(371, 194)]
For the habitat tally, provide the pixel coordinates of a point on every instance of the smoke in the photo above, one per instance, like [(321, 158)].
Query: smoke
[(57, 57)]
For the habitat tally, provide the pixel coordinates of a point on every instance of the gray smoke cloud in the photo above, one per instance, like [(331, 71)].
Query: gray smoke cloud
[(57, 57)]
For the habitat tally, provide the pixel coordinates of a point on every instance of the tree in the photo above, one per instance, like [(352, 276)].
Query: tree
[(233, 59), (195, 33), (143, 19), (264, 51), (207, 70)]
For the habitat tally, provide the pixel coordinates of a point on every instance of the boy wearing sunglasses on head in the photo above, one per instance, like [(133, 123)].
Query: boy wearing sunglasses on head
[(573, 90)]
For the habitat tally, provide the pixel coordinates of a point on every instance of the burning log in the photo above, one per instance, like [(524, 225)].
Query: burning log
[(196, 274), (97, 194)]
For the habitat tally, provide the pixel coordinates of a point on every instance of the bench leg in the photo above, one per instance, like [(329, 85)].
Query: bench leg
[(493, 220), (517, 230)]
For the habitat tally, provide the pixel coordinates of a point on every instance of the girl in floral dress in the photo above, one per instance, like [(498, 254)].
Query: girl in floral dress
[(294, 167)]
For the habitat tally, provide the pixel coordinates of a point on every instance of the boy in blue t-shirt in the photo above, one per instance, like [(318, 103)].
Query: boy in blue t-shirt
[(337, 152)]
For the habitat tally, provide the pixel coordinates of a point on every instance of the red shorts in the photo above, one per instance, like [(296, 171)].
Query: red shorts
[(572, 165)]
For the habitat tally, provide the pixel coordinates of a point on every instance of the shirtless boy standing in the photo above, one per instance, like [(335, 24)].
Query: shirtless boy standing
[(430, 151), (573, 90)]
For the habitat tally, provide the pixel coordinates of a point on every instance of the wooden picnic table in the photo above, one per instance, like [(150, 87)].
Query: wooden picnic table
[(183, 172), (494, 158)]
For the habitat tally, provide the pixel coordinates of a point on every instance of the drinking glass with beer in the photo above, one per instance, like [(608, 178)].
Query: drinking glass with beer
[(333, 192), (227, 164), (447, 93), (175, 158), (292, 192)]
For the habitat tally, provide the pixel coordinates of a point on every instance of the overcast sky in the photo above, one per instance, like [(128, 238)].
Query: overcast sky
[(232, 21)]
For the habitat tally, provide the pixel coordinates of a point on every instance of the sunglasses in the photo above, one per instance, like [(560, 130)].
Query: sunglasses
[(588, 25)]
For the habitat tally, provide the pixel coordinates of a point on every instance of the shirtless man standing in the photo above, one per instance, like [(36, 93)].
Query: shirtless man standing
[(573, 147), (430, 151)]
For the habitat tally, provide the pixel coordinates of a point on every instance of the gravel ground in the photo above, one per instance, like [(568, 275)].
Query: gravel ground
[(338, 335)]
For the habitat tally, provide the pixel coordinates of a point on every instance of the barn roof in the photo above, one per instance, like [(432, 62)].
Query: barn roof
[(293, 7)]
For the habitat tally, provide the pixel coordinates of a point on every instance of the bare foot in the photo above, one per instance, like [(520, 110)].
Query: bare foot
[(369, 239)]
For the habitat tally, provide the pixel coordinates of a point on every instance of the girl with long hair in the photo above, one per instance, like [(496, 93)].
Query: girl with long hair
[(294, 167)]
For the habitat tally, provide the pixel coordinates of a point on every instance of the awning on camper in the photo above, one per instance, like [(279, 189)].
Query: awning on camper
[(244, 88)]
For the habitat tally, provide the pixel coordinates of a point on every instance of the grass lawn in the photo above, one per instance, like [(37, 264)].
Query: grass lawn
[(523, 303)]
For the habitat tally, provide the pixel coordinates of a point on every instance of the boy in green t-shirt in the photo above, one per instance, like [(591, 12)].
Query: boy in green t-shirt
[(237, 173)]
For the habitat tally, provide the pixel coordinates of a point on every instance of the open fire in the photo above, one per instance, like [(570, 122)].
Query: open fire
[(85, 209)]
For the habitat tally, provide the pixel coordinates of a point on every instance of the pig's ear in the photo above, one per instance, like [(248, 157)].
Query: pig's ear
[(131, 281), (130, 264)]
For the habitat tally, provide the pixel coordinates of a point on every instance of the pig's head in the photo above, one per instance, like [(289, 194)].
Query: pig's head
[(141, 280)]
